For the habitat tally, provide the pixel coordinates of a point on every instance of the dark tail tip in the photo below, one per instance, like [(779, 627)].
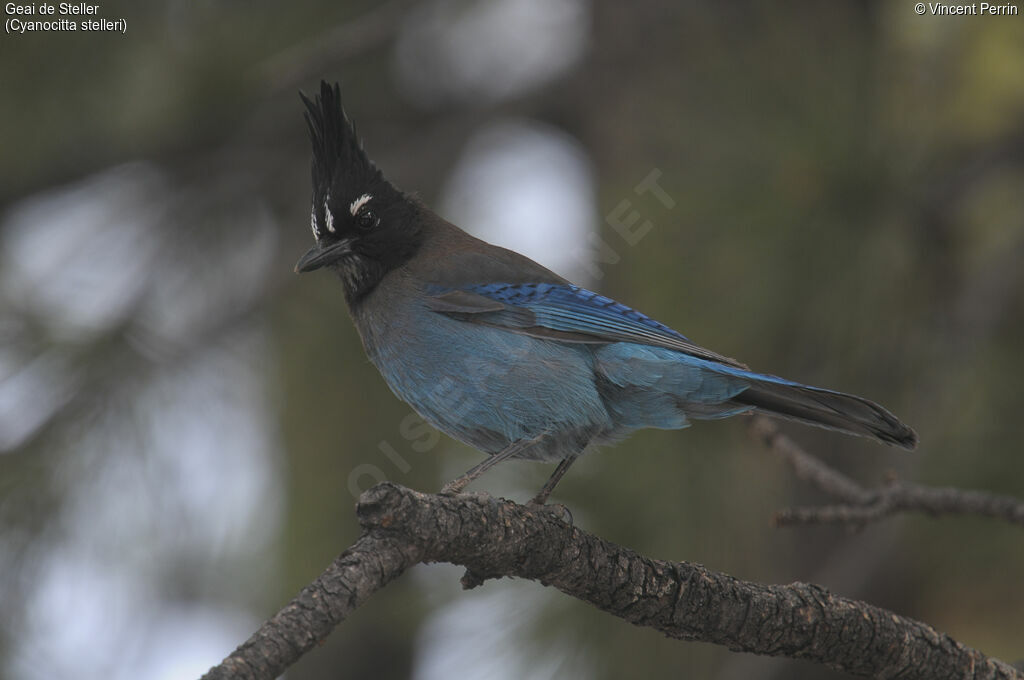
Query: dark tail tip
[(829, 409), (902, 436)]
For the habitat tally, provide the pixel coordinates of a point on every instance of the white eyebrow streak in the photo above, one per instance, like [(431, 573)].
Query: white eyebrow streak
[(359, 203)]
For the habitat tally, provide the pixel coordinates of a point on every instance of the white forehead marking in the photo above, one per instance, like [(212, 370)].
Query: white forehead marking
[(329, 216), (359, 203), (312, 223)]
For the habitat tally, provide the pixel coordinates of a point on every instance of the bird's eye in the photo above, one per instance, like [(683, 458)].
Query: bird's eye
[(367, 219)]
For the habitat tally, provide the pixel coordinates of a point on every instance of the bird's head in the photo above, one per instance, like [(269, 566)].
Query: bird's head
[(364, 227)]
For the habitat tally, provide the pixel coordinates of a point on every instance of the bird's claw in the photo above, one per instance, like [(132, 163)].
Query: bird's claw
[(560, 511)]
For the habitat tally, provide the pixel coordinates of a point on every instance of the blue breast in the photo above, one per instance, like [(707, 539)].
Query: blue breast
[(488, 387)]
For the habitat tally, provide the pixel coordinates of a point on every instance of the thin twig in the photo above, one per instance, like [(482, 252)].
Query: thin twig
[(898, 497), (808, 467), (860, 505)]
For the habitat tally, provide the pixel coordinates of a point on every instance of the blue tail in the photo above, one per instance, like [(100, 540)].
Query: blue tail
[(656, 387)]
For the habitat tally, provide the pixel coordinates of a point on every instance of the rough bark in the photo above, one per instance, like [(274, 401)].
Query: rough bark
[(494, 537)]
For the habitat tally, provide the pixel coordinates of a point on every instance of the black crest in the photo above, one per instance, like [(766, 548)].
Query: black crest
[(340, 164)]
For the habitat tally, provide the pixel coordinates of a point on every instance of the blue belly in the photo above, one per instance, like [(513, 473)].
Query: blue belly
[(488, 387)]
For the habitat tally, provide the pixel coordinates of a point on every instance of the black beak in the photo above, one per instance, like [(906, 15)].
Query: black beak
[(318, 256)]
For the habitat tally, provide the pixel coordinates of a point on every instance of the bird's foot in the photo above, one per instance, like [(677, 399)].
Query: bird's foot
[(454, 487), (560, 511)]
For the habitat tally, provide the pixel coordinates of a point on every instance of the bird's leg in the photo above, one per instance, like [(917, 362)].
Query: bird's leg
[(510, 451), (563, 466)]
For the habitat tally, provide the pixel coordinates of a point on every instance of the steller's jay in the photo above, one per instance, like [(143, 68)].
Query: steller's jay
[(500, 353)]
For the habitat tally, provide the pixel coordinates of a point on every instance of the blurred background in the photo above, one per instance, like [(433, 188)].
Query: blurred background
[(185, 424)]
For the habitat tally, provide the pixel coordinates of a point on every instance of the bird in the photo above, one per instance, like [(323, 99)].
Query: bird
[(505, 355)]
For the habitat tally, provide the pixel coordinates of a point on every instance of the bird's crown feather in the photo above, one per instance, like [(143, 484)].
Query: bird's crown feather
[(338, 156)]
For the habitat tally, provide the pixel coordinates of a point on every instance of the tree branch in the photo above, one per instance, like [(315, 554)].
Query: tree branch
[(494, 538), (860, 505)]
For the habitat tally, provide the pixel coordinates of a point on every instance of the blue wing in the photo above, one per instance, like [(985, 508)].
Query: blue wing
[(563, 312), (701, 383)]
